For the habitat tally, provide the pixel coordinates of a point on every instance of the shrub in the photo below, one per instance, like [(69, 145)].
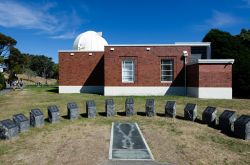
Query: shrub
[(2, 81)]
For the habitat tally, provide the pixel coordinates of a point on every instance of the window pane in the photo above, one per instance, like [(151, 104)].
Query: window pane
[(166, 61), (169, 78), (166, 73), (127, 71), (128, 67), (166, 67), (166, 70)]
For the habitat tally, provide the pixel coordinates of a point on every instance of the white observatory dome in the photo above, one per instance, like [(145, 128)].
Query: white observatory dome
[(90, 41)]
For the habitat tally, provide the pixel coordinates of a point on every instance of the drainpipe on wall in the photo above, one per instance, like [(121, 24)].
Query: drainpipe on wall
[(185, 55)]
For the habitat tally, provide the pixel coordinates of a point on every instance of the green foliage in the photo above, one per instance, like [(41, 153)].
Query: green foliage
[(30, 73), (5, 43), (42, 65), (12, 76), (2, 81), (226, 46), (30, 64), (17, 61)]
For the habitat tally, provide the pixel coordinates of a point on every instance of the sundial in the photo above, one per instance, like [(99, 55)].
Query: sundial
[(128, 143)]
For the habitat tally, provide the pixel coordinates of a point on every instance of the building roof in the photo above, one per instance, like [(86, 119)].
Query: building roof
[(213, 61), (175, 44)]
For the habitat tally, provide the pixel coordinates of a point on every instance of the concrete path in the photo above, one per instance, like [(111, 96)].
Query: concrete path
[(4, 91), (132, 162)]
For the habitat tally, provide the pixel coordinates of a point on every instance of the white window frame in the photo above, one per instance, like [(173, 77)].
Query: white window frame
[(171, 70), (124, 80)]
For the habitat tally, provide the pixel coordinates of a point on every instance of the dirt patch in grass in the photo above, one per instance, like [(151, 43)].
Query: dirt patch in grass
[(78, 143), (179, 142)]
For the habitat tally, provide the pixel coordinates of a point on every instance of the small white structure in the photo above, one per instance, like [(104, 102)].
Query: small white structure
[(90, 41), (2, 67)]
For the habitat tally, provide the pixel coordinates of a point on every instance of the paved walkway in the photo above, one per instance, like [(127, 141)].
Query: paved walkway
[(132, 162), (4, 91)]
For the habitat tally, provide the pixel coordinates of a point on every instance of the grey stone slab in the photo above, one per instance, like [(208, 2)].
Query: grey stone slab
[(242, 127), (22, 122), (53, 114), (226, 121), (133, 162), (73, 111), (128, 143), (91, 109), (209, 116), (36, 118), (129, 107), (109, 107), (190, 111), (150, 107), (8, 129), (170, 109)]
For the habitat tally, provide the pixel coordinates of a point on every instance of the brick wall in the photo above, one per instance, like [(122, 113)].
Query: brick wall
[(209, 75), (81, 69), (215, 75), (193, 75), (147, 64)]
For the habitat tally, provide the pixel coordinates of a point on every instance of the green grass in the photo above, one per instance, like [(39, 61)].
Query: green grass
[(177, 130)]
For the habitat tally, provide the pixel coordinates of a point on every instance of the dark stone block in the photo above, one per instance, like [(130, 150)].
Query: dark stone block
[(190, 111), (73, 111), (91, 109), (8, 129), (110, 107), (22, 122), (242, 127), (53, 114), (226, 121), (209, 116), (129, 107), (150, 107), (36, 118), (170, 109)]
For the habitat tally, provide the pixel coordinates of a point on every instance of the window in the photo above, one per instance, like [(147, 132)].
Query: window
[(167, 69), (128, 70)]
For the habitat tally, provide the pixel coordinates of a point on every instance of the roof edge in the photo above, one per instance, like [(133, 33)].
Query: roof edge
[(213, 61), (75, 51)]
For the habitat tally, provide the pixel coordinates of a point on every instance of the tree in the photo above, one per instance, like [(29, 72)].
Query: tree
[(30, 73), (2, 81), (226, 46), (17, 61), (42, 65), (6, 43)]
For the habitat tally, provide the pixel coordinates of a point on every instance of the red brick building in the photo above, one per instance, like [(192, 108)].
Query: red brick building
[(153, 69)]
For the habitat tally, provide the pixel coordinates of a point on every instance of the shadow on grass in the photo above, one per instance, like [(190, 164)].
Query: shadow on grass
[(160, 114), (54, 90), (121, 113), (47, 120), (228, 133), (65, 116), (141, 113), (84, 115), (102, 114), (180, 117), (199, 121)]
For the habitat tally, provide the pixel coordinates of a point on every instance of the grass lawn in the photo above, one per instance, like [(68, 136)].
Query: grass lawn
[(86, 141)]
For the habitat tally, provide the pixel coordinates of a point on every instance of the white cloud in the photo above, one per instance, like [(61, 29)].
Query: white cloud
[(67, 35), (219, 20), (39, 17)]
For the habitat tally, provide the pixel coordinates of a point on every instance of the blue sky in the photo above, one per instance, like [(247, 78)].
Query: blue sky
[(46, 26)]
